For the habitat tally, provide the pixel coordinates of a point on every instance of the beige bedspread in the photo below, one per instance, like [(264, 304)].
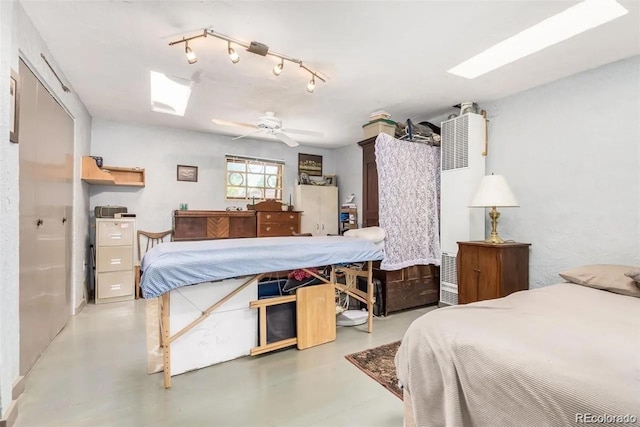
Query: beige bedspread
[(534, 358)]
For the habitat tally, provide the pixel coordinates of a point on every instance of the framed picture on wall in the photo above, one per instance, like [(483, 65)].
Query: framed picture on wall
[(187, 173), (310, 164), (14, 107)]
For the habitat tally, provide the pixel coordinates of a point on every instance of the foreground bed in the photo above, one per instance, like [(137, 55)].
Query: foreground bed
[(543, 357), (198, 312)]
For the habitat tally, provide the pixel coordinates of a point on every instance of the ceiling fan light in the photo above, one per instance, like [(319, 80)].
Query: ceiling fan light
[(311, 85), (277, 69), (191, 56), (233, 55)]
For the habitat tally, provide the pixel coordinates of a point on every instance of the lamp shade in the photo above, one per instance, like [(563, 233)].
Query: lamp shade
[(493, 190)]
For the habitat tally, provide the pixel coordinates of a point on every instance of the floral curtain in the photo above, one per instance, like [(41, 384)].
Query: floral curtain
[(409, 201)]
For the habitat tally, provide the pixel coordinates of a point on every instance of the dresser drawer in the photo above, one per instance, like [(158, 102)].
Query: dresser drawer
[(279, 217), (115, 284), (277, 229), (115, 258), (115, 233)]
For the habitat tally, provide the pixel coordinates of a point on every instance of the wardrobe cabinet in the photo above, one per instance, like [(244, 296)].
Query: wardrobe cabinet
[(319, 204), (410, 287), (488, 271)]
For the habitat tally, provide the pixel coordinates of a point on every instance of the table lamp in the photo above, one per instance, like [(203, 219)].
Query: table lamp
[(492, 192)]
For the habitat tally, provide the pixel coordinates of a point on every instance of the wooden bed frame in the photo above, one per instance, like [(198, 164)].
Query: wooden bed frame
[(350, 288)]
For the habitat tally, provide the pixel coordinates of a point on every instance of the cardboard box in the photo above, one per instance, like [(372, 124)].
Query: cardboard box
[(379, 126)]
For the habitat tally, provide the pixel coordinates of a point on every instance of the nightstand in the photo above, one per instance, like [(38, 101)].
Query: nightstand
[(487, 271)]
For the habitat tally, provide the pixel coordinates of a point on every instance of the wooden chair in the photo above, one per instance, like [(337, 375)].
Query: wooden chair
[(152, 240)]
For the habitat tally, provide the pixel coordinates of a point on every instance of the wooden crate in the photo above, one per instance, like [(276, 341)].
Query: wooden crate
[(410, 287)]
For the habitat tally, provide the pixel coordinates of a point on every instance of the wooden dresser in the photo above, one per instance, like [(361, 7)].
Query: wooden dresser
[(409, 287), (487, 271), (270, 224), (206, 225)]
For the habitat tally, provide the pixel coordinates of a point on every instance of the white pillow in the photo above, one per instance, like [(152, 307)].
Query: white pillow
[(375, 234)]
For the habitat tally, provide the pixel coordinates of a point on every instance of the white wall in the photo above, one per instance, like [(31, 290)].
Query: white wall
[(570, 151), (9, 304), (159, 150), (19, 38)]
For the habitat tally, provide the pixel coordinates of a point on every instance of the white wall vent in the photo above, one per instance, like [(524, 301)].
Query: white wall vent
[(455, 154), (462, 167), (448, 294), (448, 270), (447, 150)]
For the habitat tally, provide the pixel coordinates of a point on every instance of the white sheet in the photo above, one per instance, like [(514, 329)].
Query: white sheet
[(171, 265)]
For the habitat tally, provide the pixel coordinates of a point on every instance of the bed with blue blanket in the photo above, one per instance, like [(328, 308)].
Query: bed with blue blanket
[(183, 276)]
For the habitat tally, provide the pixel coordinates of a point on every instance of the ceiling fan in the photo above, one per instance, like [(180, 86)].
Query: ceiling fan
[(271, 125)]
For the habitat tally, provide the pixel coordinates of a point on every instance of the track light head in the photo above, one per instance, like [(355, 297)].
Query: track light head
[(191, 57), (233, 55), (312, 84), (277, 69)]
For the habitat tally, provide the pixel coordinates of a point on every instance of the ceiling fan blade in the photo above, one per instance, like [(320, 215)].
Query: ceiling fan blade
[(221, 122), (286, 139), (303, 132), (247, 134)]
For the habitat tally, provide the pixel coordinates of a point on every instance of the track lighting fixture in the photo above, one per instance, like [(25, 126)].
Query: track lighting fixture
[(277, 69), (191, 57), (253, 47), (233, 55), (312, 84)]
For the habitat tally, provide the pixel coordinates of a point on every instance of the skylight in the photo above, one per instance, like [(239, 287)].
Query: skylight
[(169, 94), (575, 20)]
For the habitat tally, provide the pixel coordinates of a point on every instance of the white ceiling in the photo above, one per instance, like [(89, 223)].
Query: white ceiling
[(378, 55)]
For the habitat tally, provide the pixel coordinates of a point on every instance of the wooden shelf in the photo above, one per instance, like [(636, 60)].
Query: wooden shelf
[(111, 175)]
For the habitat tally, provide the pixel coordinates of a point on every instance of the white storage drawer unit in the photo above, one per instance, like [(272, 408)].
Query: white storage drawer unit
[(114, 259)]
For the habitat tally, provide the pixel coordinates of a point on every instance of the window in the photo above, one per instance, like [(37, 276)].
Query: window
[(252, 178)]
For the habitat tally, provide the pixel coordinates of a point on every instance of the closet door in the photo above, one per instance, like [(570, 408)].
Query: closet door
[(46, 191), (328, 210), (34, 307), (308, 201), (59, 141)]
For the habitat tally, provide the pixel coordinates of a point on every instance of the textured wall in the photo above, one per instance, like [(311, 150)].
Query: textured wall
[(19, 38), (31, 45), (349, 170), (571, 154), (159, 150), (9, 304)]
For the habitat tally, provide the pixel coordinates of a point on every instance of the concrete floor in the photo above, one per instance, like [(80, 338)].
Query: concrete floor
[(94, 374)]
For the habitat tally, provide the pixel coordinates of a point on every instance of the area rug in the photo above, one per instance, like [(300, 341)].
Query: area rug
[(378, 364)]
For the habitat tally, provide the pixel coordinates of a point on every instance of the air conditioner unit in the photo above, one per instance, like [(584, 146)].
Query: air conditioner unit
[(462, 165)]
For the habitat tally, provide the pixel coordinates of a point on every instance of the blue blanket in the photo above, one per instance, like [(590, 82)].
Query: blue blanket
[(175, 264)]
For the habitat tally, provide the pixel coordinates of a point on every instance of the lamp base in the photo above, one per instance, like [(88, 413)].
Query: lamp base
[(494, 238)]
